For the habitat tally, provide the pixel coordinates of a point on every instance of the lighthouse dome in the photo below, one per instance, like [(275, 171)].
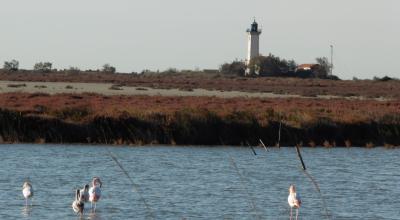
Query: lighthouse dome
[(254, 26)]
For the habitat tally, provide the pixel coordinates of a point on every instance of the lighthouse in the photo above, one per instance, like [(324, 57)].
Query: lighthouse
[(253, 42)]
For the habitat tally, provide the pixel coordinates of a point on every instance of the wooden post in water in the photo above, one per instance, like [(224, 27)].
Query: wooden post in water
[(300, 157), (313, 181), (262, 143), (279, 134), (254, 152)]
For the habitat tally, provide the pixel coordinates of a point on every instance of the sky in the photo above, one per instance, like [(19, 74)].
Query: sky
[(133, 35)]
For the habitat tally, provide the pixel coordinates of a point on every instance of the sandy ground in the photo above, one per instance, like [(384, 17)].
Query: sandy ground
[(105, 89)]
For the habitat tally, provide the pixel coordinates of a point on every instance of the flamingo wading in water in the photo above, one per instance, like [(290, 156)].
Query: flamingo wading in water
[(294, 201), (78, 205), (95, 192), (27, 191)]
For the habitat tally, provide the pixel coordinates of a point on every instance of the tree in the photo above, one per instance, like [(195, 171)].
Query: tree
[(324, 67), (292, 65), (12, 65), (171, 70), (270, 66), (44, 67), (73, 70), (236, 68), (107, 68)]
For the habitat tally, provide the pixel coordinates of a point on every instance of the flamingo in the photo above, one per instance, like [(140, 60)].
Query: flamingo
[(95, 192), (294, 201), (84, 193), (27, 191), (78, 204)]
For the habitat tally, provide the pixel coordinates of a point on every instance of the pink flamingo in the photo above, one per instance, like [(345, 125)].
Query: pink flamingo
[(294, 201), (95, 192), (78, 205), (27, 191)]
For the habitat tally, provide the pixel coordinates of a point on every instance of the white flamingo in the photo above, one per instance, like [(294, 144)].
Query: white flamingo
[(294, 201), (84, 193), (78, 204), (27, 191), (95, 192)]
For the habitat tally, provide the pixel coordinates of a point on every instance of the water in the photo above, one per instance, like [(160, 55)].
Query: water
[(200, 182)]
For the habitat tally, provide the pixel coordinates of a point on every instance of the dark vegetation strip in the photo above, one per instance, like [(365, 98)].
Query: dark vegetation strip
[(186, 128)]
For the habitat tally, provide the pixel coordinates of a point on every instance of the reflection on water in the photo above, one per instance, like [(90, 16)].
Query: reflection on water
[(199, 182), (94, 216), (89, 215), (27, 211)]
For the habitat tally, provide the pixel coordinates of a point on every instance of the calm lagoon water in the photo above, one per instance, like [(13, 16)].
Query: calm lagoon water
[(200, 182)]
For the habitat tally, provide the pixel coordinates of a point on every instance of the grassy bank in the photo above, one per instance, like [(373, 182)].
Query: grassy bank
[(90, 118)]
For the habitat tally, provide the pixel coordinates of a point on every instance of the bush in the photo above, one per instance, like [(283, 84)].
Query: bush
[(107, 68), (16, 85), (44, 67), (73, 113), (271, 66), (12, 65), (383, 79), (324, 68), (171, 70), (73, 70), (235, 68)]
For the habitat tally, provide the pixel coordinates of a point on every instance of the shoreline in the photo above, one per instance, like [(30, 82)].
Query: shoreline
[(193, 146), (185, 128)]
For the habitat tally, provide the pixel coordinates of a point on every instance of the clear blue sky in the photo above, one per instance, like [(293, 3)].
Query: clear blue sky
[(157, 34)]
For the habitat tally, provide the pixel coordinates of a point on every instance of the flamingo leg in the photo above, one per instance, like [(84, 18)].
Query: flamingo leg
[(297, 213), (291, 212)]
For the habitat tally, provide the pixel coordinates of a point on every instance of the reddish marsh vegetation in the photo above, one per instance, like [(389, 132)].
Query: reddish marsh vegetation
[(196, 120), (293, 110)]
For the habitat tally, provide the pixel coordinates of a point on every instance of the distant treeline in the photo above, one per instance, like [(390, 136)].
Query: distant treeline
[(194, 128), (272, 66), (275, 66), (47, 67)]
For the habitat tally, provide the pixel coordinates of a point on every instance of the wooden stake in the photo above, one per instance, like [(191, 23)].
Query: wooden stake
[(279, 134), (254, 152), (262, 143), (300, 157)]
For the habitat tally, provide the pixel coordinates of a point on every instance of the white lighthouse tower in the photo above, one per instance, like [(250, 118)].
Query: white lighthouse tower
[(253, 42)]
